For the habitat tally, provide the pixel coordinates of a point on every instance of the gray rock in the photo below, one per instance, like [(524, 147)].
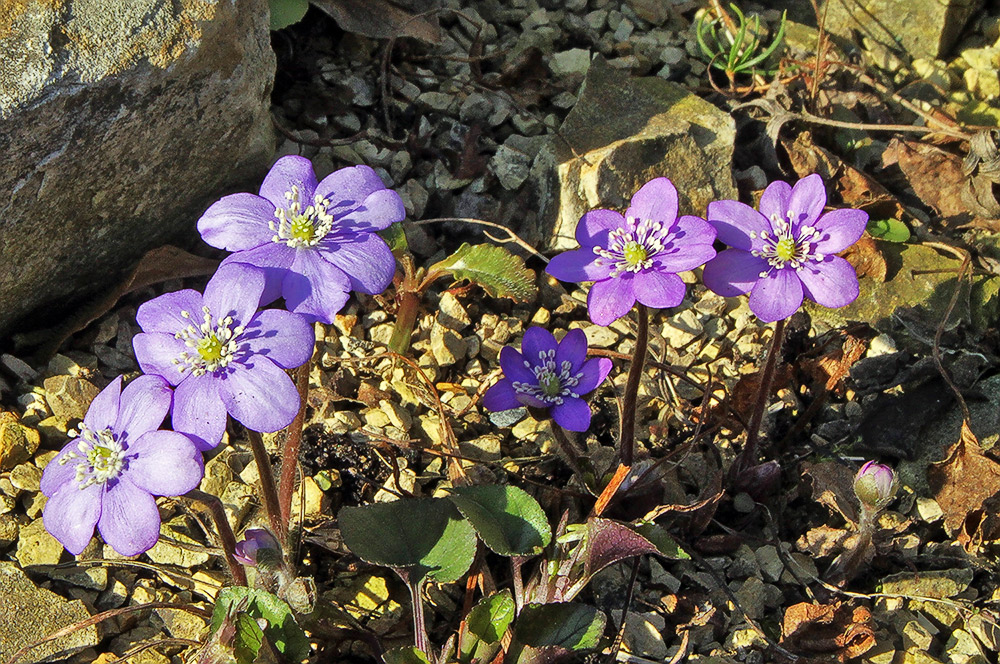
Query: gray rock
[(511, 166), (567, 63), (37, 613), (660, 129), (925, 28), (120, 123)]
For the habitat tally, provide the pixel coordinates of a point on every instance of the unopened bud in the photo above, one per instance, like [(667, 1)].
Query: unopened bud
[(875, 485), (259, 547)]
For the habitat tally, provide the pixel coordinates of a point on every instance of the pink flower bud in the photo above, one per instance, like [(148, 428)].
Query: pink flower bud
[(256, 541), (875, 485)]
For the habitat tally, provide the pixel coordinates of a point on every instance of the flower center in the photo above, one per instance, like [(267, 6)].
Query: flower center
[(301, 227), (787, 245), (100, 456), (634, 247), (214, 343), (552, 385)]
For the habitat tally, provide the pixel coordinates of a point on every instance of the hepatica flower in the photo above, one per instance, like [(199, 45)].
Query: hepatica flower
[(107, 476), (223, 355), (316, 241), (786, 251), (635, 257), (550, 375)]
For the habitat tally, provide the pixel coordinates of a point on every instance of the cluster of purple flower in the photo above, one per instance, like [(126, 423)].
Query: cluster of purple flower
[(779, 255), (209, 356)]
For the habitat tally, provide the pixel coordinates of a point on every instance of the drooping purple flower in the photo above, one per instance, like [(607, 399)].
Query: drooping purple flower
[(223, 355), (875, 485), (786, 251), (316, 241), (255, 540), (107, 476), (551, 375), (635, 257)]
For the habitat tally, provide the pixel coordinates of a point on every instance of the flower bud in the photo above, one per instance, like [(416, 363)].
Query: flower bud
[(259, 546), (875, 485)]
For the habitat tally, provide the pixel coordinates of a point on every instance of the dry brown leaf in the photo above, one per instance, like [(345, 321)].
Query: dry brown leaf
[(962, 483), (867, 258), (833, 487), (830, 369), (837, 629), (823, 541), (379, 19), (935, 176)]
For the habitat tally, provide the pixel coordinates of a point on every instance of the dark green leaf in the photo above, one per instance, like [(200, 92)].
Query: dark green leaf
[(426, 536), (405, 655), (486, 625), (249, 638), (567, 625), (499, 272), (506, 518), (395, 237), (281, 630), (286, 12), (889, 230), (665, 545), (609, 541)]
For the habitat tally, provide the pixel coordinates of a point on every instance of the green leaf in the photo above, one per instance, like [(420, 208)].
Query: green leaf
[(508, 520), (486, 625), (426, 536), (566, 625), (890, 230), (665, 544), (499, 272), (286, 12), (984, 302), (249, 637), (405, 655), (282, 631), (395, 237)]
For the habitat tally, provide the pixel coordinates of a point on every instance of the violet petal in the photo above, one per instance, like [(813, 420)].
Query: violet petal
[(738, 224), (71, 514), (234, 292), (578, 265), (537, 344), (163, 313), (658, 289), (103, 410), (831, 283), (776, 296), (144, 403), (572, 414), (237, 222), (512, 363), (807, 200), (274, 258), (839, 229), (593, 372), (593, 228), (733, 272), (774, 201), (573, 349), (285, 338), (155, 352), (260, 395), (289, 171), (315, 288), (347, 188), (501, 397), (365, 258), (198, 411), (151, 455), (656, 200), (130, 522), (56, 474), (610, 299), (379, 210)]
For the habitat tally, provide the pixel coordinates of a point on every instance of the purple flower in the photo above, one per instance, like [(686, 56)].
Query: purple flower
[(875, 485), (254, 541), (549, 375), (316, 241), (636, 256), (223, 355), (786, 251), (118, 461)]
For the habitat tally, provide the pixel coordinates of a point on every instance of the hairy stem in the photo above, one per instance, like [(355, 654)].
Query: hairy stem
[(224, 530), (632, 386), (290, 453), (419, 627), (748, 457), (268, 491), (406, 318), (569, 449)]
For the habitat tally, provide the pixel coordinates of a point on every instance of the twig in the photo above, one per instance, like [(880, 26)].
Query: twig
[(936, 348), (511, 236)]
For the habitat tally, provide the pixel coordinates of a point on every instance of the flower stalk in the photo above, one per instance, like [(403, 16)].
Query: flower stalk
[(226, 536), (627, 444), (290, 452), (269, 492), (748, 457)]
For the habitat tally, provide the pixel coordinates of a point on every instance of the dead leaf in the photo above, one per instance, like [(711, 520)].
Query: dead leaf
[(836, 629), (833, 367), (380, 19), (962, 483), (867, 258), (823, 541), (833, 487), (935, 176)]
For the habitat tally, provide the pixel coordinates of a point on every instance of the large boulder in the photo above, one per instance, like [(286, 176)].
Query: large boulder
[(621, 133), (120, 121), (924, 28)]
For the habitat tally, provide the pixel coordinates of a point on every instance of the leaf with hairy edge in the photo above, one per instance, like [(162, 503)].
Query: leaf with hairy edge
[(281, 629), (610, 541), (546, 632), (665, 544), (424, 536), (486, 625), (499, 272), (405, 655), (508, 520)]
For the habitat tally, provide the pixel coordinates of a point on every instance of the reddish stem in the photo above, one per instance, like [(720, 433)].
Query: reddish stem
[(632, 386), (290, 453)]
